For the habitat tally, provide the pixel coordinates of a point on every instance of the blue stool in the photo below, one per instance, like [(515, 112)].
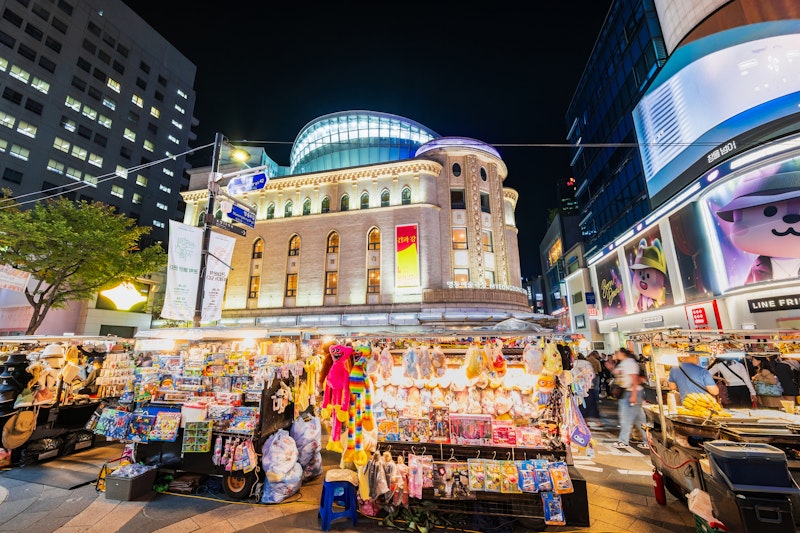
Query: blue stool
[(337, 492)]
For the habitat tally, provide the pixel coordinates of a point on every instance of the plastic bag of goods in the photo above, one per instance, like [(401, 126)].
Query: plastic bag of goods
[(307, 434), (283, 474)]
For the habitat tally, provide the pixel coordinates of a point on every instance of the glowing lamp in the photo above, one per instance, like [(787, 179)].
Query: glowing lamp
[(124, 296)]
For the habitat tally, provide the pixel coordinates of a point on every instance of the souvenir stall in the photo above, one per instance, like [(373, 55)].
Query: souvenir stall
[(700, 446), (459, 425), (221, 402), (48, 393)]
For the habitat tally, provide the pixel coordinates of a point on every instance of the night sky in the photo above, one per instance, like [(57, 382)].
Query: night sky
[(498, 75)]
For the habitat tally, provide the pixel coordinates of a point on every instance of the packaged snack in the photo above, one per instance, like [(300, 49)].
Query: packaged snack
[(559, 473), (477, 474), (553, 510)]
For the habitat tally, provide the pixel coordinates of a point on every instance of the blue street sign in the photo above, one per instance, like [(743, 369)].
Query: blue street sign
[(243, 184), (243, 216)]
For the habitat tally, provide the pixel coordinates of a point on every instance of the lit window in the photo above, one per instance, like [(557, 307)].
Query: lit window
[(161, 206), (255, 286), (374, 280), (69, 124), (74, 173), (27, 129), (137, 198), (461, 275), (20, 152), (91, 180), (117, 191), (405, 196), (148, 145), (158, 223), (55, 166), (121, 171), (488, 245), (3, 64), (270, 211), (333, 243), (344, 205), (137, 100), (177, 124), (155, 112), (173, 139), (141, 180), (385, 198), (489, 277), (326, 205), (89, 112), (182, 94), (20, 74), (331, 283), (129, 134), (61, 144), (307, 206), (114, 85), (291, 285), (374, 239), (80, 153), (258, 249), (6, 120), (104, 121), (72, 104), (459, 238), (40, 85), (168, 172), (96, 160), (164, 188), (294, 246), (3, 145), (180, 110), (287, 210), (109, 103)]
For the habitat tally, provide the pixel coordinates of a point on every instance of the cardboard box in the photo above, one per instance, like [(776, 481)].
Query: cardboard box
[(130, 488)]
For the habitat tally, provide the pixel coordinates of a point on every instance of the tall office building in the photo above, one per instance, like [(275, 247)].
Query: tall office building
[(611, 188), (95, 104)]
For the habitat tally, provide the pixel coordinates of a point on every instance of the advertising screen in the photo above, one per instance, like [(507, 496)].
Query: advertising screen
[(756, 219), (609, 281), (647, 265), (407, 257)]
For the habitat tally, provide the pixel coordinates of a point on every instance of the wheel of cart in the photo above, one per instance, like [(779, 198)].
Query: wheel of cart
[(239, 485)]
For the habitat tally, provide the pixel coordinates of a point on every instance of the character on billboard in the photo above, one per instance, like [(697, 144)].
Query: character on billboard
[(650, 275), (764, 219)]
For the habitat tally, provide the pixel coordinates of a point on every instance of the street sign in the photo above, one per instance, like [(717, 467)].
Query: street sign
[(243, 184), (230, 227), (238, 214)]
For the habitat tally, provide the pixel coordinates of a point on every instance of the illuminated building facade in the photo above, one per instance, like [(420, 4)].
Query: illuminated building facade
[(377, 222)]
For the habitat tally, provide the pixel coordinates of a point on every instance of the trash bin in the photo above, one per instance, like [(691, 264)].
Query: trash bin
[(751, 488)]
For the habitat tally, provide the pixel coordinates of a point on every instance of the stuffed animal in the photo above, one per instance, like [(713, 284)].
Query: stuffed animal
[(414, 401), (503, 404), (359, 413), (336, 397), (385, 363), (425, 364), (533, 358), (426, 400), (552, 358), (437, 397), (545, 387), (473, 402), (439, 360), (473, 362), (411, 363), (487, 401)]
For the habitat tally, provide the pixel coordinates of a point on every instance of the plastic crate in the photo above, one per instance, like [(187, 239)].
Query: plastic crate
[(750, 512), (130, 488), (750, 467)]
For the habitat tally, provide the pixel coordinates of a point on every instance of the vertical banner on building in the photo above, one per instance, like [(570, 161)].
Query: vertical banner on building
[(183, 271), (406, 257), (13, 279), (220, 252)]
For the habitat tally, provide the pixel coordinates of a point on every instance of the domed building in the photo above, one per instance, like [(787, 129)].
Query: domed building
[(378, 223)]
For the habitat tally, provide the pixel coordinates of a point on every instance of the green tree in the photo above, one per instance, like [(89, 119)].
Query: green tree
[(72, 251)]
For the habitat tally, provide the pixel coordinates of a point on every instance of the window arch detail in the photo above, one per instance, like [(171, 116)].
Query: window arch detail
[(364, 200), (326, 205), (405, 196), (385, 198), (270, 211), (344, 204), (307, 206), (294, 245), (287, 210)]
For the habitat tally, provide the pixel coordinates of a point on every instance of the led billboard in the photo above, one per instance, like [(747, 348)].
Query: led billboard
[(609, 282), (647, 265)]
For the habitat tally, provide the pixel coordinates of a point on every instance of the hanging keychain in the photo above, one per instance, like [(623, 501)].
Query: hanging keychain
[(217, 457)]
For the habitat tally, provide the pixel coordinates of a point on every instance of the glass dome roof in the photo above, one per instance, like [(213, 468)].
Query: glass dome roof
[(355, 138)]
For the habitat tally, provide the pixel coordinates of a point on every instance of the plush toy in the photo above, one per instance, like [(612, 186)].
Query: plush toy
[(426, 400), (327, 361), (335, 401), (439, 361), (517, 408), (499, 364), (473, 402), (487, 401), (389, 399), (411, 363), (552, 358), (385, 363), (545, 387), (533, 358), (425, 364), (461, 400), (503, 404), (359, 413), (414, 401), (473, 362), (437, 397), (402, 398)]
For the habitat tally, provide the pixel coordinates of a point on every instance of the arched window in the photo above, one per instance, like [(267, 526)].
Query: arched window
[(294, 245), (374, 239), (258, 249), (405, 196), (202, 220), (326, 205), (287, 210), (270, 211), (345, 203), (365, 200), (307, 206), (385, 198), (333, 242)]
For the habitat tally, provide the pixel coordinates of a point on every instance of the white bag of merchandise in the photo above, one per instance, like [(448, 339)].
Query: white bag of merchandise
[(307, 434), (288, 485), (283, 474)]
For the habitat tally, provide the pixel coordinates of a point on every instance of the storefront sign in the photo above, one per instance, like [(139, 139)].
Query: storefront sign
[(703, 315), (609, 279), (699, 316), (13, 279), (653, 321), (406, 257), (780, 303)]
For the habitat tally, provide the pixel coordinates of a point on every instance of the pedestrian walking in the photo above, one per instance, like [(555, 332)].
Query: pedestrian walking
[(631, 413)]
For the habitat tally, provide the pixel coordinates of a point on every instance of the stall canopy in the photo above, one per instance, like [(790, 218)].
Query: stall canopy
[(516, 325)]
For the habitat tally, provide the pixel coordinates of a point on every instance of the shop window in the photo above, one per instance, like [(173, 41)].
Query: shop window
[(258, 249), (255, 286), (385, 198), (333, 243), (326, 205), (461, 275), (405, 196), (374, 239), (460, 238), (331, 283), (291, 285), (294, 246)]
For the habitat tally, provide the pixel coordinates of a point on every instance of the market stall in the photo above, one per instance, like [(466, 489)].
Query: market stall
[(208, 401), (472, 425), (685, 435)]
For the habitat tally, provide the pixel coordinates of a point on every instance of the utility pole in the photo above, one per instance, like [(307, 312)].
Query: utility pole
[(209, 221)]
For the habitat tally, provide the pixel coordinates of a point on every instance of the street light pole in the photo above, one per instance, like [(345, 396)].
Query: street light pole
[(209, 221)]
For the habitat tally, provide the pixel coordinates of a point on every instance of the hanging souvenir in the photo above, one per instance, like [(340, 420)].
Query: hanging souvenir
[(533, 358)]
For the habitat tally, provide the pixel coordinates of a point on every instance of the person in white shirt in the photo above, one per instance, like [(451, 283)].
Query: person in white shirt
[(631, 413), (740, 389)]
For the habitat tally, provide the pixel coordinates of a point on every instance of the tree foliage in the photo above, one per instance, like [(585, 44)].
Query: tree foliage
[(72, 250)]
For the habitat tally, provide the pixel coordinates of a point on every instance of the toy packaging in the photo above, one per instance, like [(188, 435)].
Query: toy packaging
[(553, 509), (510, 477), (197, 437), (559, 473), (543, 481), (440, 424), (165, 427), (140, 426), (527, 476), (470, 429), (494, 476), (529, 437), (414, 429), (504, 433), (476, 473), (451, 480)]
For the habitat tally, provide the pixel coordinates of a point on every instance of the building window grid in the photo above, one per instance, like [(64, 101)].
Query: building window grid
[(333, 243), (460, 238), (331, 282), (258, 249), (254, 287), (307, 206), (294, 246), (373, 281), (291, 285), (326, 205), (374, 239), (488, 244)]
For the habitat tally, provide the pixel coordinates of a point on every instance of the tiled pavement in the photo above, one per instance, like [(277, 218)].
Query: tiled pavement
[(619, 485)]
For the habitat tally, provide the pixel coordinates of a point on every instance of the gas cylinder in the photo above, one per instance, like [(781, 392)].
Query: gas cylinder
[(658, 487)]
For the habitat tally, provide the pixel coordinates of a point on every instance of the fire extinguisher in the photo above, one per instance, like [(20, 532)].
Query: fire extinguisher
[(658, 487)]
